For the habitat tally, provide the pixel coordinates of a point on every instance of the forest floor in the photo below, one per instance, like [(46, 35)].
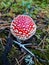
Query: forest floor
[(39, 11)]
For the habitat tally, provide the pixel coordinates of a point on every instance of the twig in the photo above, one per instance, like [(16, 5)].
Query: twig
[(36, 61), (1, 43), (5, 24), (1, 28), (20, 61), (15, 47), (42, 41), (36, 48), (22, 55), (17, 61)]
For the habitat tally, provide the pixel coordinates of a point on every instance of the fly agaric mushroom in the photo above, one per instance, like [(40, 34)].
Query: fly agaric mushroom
[(23, 27)]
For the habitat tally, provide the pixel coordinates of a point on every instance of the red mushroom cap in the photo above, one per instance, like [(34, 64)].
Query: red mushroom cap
[(23, 27)]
